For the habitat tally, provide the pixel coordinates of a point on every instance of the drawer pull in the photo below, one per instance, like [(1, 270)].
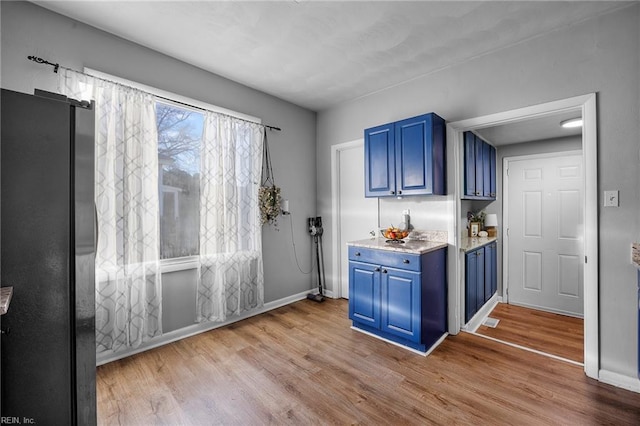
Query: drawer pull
[(357, 253), (405, 261)]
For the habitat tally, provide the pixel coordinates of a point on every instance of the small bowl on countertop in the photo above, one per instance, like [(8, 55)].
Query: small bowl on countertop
[(396, 236)]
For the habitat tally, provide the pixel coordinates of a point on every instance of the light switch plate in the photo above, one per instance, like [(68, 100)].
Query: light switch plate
[(611, 199)]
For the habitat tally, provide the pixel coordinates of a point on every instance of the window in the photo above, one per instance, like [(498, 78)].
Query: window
[(179, 139), (180, 130)]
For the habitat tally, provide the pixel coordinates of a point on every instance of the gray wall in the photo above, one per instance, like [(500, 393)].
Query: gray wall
[(599, 55), (28, 29)]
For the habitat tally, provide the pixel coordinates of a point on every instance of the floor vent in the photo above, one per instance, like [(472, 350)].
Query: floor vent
[(491, 322)]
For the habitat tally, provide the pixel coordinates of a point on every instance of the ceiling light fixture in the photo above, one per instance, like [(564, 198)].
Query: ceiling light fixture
[(574, 122)]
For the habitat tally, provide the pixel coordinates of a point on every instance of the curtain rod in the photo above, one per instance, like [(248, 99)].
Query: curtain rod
[(56, 67)]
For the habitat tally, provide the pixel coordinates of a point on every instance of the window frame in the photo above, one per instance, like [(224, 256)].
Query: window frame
[(174, 264)]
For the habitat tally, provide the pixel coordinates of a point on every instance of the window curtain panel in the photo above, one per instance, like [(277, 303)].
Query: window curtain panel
[(128, 279), (231, 279)]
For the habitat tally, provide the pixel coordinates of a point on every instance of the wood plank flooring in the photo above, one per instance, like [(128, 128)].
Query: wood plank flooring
[(547, 332), (302, 364)]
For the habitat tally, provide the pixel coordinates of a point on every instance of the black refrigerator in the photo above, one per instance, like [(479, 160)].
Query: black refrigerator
[(48, 241)]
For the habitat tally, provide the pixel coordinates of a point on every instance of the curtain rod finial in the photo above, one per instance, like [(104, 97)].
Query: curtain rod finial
[(39, 60)]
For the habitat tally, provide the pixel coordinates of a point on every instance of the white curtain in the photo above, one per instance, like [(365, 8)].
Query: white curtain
[(231, 275), (128, 286)]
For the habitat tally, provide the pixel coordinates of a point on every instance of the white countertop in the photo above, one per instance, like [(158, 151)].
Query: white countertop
[(409, 246), (468, 244)]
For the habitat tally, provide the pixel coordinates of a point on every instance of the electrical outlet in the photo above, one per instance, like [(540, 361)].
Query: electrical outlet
[(611, 199)]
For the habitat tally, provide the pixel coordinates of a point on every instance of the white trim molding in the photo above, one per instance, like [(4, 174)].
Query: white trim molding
[(620, 380), (335, 212)]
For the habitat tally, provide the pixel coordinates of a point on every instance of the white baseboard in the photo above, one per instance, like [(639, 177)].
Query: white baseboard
[(481, 315), (192, 330), (619, 380)]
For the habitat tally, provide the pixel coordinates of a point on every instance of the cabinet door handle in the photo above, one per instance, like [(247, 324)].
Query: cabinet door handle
[(399, 192), (384, 271), (377, 270), (405, 261), (392, 192)]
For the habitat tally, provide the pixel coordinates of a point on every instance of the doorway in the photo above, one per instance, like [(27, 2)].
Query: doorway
[(355, 216), (543, 232), (584, 106)]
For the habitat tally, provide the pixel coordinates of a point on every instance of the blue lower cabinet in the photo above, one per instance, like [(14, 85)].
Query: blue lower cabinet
[(490, 271), (471, 285), (400, 303), (364, 289), (400, 297), (481, 281)]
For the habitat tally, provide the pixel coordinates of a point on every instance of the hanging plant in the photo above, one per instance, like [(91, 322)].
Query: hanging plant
[(269, 204), (269, 194)]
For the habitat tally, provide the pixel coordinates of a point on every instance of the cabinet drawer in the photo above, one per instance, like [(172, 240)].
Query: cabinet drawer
[(408, 261)]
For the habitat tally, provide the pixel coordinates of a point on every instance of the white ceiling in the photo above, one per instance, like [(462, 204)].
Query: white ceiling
[(319, 54), (534, 129)]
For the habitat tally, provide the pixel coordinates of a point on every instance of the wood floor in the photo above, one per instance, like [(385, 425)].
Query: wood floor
[(301, 364), (555, 334)]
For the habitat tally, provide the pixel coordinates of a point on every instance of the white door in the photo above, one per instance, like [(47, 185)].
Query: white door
[(545, 233), (357, 215)]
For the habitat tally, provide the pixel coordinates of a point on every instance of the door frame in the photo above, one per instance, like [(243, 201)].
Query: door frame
[(505, 212), (586, 105), (337, 265)]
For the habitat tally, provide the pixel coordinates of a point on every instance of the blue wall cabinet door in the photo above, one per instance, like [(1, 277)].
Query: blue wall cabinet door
[(469, 164), (400, 304), (364, 293), (492, 172), (379, 163), (486, 170), (406, 157), (420, 148), (479, 169)]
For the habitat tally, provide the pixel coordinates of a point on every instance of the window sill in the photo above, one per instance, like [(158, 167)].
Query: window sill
[(179, 264)]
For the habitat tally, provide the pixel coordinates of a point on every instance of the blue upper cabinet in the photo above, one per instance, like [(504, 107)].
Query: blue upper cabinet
[(479, 169), (406, 157), (379, 164), (469, 164)]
